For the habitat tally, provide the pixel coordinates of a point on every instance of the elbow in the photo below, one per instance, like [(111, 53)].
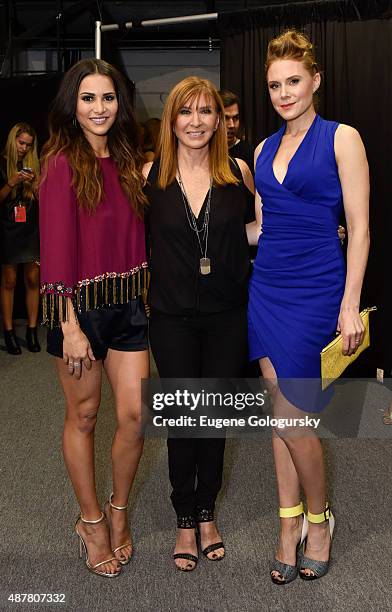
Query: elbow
[(252, 234), (366, 238), (358, 240), (359, 233)]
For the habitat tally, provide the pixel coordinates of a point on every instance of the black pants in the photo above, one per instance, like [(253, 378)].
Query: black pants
[(208, 346)]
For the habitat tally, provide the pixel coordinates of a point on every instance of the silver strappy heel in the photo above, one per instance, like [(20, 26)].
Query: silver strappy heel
[(129, 543), (83, 548)]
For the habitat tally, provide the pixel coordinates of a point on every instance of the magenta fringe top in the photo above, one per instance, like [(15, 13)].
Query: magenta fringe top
[(94, 258)]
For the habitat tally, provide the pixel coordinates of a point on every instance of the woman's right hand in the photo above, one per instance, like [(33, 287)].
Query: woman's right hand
[(20, 177), (77, 351)]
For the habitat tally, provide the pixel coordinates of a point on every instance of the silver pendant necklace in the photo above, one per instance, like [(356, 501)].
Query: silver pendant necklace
[(205, 262)]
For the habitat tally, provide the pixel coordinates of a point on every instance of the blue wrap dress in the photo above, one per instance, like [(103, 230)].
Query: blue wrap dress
[(298, 278)]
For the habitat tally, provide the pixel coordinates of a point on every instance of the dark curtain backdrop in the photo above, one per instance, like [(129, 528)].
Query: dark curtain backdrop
[(354, 47), (28, 98)]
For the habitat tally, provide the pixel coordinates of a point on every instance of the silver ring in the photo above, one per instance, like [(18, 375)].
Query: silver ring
[(77, 364), (70, 364)]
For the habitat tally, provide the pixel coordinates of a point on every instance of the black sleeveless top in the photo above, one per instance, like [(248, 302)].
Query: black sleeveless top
[(19, 242), (176, 286)]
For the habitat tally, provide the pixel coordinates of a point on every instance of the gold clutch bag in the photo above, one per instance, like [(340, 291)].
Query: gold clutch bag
[(333, 362)]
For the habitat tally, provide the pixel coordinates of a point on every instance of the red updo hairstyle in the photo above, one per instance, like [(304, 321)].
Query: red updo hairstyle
[(292, 45)]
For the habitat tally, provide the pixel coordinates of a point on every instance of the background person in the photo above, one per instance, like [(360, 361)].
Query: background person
[(19, 231), (199, 205), (300, 292), (93, 275), (241, 149), (238, 146), (150, 137)]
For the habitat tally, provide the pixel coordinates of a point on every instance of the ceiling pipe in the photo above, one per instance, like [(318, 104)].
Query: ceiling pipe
[(98, 36), (115, 26), (184, 19), (99, 28)]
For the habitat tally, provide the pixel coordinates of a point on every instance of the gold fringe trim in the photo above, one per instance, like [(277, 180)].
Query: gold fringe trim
[(101, 291)]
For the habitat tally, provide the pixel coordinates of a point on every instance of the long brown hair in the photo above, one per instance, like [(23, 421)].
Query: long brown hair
[(30, 160), (65, 136), (185, 92)]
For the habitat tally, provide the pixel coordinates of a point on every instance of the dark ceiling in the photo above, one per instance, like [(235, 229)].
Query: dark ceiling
[(68, 26), (39, 23)]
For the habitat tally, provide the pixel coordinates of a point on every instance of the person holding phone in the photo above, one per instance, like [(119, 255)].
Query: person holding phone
[(19, 226)]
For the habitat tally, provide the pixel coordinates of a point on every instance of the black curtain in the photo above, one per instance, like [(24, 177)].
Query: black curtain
[(27, 99), (353, 42)]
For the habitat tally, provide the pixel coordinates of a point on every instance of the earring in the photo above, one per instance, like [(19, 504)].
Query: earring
[(74, 123)]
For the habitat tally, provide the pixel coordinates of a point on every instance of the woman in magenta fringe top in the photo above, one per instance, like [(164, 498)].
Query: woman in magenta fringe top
[(93, 274)]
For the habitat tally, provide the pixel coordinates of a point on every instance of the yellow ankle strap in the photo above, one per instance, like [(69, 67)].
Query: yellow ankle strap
[(320, 518), (290, 512)]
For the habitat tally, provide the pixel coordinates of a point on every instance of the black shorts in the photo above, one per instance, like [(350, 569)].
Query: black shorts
[(121, 327)]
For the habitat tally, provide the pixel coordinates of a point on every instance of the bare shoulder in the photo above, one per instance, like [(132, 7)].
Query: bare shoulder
[(146, 169), (246, 173), (258, 149), (348, 142), (243, 166), (346, 133)]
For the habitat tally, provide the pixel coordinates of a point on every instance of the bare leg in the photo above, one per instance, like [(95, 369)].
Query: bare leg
[(125, 371), (31, 279), (307, 456), (287, 481), (8, 283), (298, 461), (286, 473), (82, 402)]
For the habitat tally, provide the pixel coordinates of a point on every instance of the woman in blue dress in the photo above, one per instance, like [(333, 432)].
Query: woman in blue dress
[(300, 290)]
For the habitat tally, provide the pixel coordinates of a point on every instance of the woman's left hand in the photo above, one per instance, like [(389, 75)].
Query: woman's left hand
[(341, 233), (352, 329)]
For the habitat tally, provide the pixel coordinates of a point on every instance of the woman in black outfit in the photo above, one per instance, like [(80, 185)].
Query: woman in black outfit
[(199, 206), (19, 240)]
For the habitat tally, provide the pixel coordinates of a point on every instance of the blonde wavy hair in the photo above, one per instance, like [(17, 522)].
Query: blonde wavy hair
[(30, 160), (183, 94)]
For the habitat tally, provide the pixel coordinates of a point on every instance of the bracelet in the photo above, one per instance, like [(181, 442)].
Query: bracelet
[(10, 186)]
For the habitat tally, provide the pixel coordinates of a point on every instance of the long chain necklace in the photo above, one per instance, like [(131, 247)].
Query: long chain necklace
[(205, 262)]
